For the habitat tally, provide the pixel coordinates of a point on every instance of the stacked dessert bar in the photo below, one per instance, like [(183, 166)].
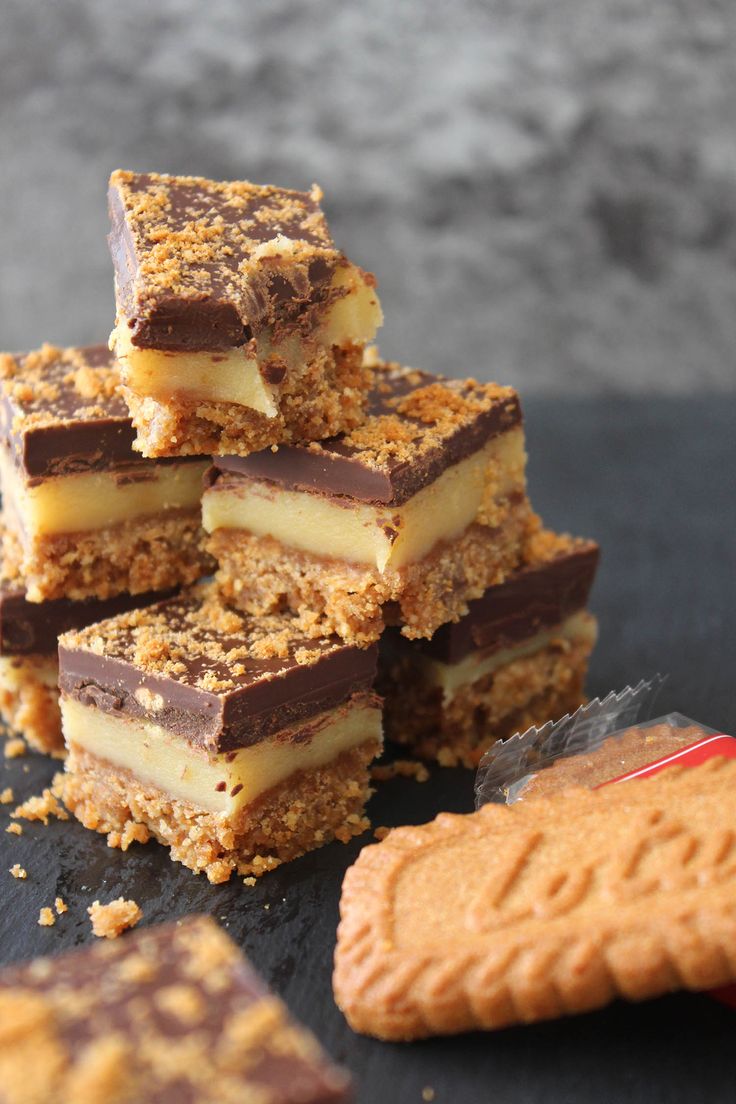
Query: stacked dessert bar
[(369, 523)]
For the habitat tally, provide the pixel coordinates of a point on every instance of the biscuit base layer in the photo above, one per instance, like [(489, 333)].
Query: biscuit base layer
[(259, 575), (29, 701), (135, 556), (324, 397), (541, 909), (527, 691), (298, 815)]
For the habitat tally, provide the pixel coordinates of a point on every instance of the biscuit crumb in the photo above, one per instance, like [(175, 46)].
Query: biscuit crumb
[(15, 748), (61, 906), (41, 808), (400, 768), (15, 829), (428, 1093), (249, 881), (381, 833), (6, 796), (108, 921), (17, 871), (46, 918)]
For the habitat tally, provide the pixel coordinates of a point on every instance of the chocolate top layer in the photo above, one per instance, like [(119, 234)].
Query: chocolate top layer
[(220, 680), (127, 1005), (61, 413), (538, 596), (417, 426), (204, 265), (34, 627)]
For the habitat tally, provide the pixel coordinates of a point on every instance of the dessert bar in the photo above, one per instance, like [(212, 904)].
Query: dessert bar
[(29, 665), (518, 657), (238, 743), (239, 324), (403, 519), (167, 1015), (85, 515)]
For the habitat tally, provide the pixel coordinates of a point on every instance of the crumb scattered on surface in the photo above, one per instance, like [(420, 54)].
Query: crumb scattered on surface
[(17, 871), (46, 918), (249, 881), (41, 808), (14, 829), (400, 768), (6, 796), (428, 1093), (381, 832), (15, 748), (61, 906), (108, 921)]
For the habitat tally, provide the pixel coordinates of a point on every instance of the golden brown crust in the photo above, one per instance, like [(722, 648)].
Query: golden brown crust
[(323, 397), (259, 575), (136, 556), (301, 813), (30, 706), (526, 691), (616, 756), (506, 917)]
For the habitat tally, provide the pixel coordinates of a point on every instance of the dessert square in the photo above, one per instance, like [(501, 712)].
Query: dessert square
[(239, 324), (402, 520), (85, 515), (518, 657), (29, 664), (169, 1013), (238, 743)]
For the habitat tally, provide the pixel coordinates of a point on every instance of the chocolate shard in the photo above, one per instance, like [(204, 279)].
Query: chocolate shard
[(400, 449), (34, 627), (222, 260), (127, 1004), (537, 597), (212, 673)]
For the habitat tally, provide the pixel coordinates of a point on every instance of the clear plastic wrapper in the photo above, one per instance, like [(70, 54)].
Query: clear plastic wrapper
[(508, 770)]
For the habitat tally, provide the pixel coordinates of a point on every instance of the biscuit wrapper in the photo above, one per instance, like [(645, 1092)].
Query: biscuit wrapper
[(509, 765)]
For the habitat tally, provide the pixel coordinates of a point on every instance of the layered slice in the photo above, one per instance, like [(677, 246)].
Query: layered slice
[(402, 520), (238, 743), (172, 1013), (85, 515), (239, 324), (29, 665), (518, 657)]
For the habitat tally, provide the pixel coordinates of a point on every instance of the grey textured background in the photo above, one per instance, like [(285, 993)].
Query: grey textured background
[(546, 190)]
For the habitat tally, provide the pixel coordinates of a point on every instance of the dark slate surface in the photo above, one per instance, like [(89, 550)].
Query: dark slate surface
[(655, 484)]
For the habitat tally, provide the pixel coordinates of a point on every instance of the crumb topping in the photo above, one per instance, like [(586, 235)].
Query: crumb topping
[(196, 239), (197, 640), (172, 1012), (51, 386), (109, 921)]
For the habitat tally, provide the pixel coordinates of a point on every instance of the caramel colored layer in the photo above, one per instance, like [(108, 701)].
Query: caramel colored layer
[(29, 700), (259, 575), (301, 813), (343, 529), (222, 784), (531, 684)]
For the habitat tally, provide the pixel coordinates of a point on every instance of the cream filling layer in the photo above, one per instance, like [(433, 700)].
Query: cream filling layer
[(16, 670), (222, 783), (452, 678), (377, 536), (96, 500), (235, 375)]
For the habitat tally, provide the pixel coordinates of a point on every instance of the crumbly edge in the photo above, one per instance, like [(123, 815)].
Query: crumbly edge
[(259, 575), (32, 708), (526, 691), (136, 556), (298, 815), (326, 396)]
